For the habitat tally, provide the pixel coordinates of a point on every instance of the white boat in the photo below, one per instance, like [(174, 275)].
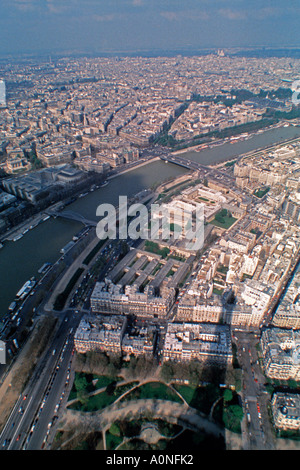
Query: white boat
[(18, 237), (27, 284), (25, 289), (44, 268)]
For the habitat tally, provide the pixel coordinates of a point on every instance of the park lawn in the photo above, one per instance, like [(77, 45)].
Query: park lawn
[(218, 291), (101, 381), (104, 380), (101, 400), (153, 390), (228, 221), (261, 192), (201, 398), (222, 269), (112, 441), (232, 417), (153, 247), (94, 403), (186, 391)]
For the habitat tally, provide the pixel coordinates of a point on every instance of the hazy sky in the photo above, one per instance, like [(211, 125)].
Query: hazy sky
[(130, 25)]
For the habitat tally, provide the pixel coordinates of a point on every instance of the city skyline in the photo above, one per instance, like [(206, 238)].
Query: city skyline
[(50, 26)]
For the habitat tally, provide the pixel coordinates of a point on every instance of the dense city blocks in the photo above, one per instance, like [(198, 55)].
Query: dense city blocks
[(149, 261)]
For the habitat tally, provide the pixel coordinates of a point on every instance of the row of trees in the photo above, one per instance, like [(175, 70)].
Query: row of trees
[(100, 363), (195, 372)]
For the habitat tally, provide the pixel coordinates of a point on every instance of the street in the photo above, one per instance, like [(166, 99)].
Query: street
[(256, 428), (28, 423)]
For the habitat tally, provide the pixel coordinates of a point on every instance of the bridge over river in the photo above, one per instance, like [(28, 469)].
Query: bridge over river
[(196, 166), (168, 158), (71, 215)]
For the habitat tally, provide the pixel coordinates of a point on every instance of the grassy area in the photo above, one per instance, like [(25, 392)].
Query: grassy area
[(132, 429), (201, 398), (232, 417), (229, 412), (223, 219), (170, 273), (261, 192), (218, 291), (153, 247), (86, 383), (153, 390), (222, 269), (101, 400), (112, 440), (187, 392)]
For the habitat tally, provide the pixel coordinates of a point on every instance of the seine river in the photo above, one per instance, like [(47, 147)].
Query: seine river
[(21, 260)]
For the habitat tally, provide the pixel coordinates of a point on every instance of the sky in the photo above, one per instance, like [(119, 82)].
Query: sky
[(95, 26)]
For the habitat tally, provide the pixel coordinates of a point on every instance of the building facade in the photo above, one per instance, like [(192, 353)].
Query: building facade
[(286, 411), (281, 353), (201, 342)]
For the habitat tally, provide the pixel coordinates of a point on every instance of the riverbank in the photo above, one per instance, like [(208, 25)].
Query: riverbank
[(253, 152), (16, 233), (134, 167), (218, 142)]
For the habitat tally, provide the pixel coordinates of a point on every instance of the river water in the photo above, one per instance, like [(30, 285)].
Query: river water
[(21, 260)]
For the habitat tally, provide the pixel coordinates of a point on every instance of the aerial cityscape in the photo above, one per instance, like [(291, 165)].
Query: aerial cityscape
[(149, 232)]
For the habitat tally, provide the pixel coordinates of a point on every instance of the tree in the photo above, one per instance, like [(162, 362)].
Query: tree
[(167, 372), (80, 382), (111, 388), (232, 417), (227, 395), (82, 396), (115, 429), (194, 373)]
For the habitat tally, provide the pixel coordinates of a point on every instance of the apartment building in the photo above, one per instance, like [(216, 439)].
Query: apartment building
[(201, 342), (286, 410), (281, 353), (139, 341), (101, 333), (110, 298)]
